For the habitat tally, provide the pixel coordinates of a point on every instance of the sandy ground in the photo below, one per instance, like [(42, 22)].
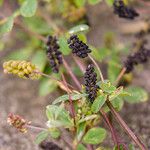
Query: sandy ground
[(21, 96)]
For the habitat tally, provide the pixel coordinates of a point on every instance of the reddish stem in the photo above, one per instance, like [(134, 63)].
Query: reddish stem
[(110, 127), (125, 127), (71, 74), (70, 100), (80, 65)]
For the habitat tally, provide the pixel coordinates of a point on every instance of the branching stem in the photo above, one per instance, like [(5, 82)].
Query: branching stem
[(125, 127)]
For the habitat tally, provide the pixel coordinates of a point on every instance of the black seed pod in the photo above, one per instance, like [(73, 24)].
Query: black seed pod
[(78, 47), (123, 11), (139, 57), (53, 53), (90, 78), (49, 146)]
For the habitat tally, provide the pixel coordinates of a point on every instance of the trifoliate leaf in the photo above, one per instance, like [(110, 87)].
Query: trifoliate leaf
[(95, 136)]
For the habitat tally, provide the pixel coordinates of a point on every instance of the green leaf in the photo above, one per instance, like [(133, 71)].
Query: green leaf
[(82, 37), (80, 130), (39, 59), (47, 86), (54, 133), (58, 117), (21, 54), (113, 69), (79, 3), (116, 93), (81, 147), (38, 25), (63, 45), (66, 97), (90, 117), (131, 147), (41, 137), (117, 103), (95, 136), (107, 87), (7, 26), (79, 29), (138, 94), (95, 53), (93, 2), (98, 103), (28, 8)]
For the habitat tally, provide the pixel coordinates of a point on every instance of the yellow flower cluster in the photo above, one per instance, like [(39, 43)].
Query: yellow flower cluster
[(23, 69), (73, 14)]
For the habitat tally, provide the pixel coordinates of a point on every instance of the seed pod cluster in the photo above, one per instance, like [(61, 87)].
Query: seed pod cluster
[(90, 78), (123, 11), (53, 54), (23, 69), (18, 122), (78, 47), (139, 57)]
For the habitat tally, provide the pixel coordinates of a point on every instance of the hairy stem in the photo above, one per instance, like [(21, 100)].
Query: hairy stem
[(36, 128), (98, 68), (125, 127)]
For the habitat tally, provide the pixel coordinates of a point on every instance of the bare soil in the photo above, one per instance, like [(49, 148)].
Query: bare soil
[(21, 96)]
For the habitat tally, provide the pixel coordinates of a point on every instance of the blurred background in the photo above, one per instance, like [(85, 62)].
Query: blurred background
[(26, 98)]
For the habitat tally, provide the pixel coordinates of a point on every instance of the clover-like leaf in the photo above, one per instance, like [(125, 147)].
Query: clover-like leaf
[(74, 96), (95, 136), (107, 87), (58, 117), (98, 103), (138, 94)]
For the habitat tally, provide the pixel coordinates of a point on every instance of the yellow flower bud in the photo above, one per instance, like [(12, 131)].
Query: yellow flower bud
[(23, 69)]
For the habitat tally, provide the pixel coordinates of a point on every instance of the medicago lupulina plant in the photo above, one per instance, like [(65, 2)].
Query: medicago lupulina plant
[(78, 113), (77, 117)]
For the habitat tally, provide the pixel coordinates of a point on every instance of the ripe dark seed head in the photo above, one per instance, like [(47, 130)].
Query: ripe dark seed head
[(139, 57), (90, 82), (78, 47), (53, 53), (123, 11)]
